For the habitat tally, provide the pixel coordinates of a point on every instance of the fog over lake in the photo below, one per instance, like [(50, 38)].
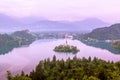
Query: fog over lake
[(27, 57)]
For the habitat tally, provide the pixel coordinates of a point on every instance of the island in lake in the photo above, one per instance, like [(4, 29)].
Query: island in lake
[(66, 48)]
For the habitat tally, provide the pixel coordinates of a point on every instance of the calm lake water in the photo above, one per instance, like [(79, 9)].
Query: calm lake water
[(27, 57)]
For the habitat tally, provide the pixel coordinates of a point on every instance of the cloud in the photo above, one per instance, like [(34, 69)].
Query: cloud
[(62, 9), (16, 7)]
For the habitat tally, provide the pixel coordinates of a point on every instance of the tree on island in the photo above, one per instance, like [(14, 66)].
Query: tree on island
[(66, 48)]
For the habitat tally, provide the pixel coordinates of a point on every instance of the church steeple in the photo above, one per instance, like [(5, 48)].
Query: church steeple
[(66, 42)]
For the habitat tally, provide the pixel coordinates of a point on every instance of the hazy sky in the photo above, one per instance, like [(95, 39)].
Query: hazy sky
[(107, 10)]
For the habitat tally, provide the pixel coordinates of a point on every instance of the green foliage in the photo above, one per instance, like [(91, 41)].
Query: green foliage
[(106, 33), (92, 78), (21, 78), (23, 35), (9, 76), (66, 48), (17, 77), (16, 39), (74, 69)]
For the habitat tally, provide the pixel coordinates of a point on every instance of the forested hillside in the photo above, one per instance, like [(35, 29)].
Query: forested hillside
[(72, 69), (16, 39), (106, 33)]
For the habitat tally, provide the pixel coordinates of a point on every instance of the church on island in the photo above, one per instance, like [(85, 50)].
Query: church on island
[(66, 48)]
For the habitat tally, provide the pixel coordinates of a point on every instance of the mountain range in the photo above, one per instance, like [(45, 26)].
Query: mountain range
[(8, 23)]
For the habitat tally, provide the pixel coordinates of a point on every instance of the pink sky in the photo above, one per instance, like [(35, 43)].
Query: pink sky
[(72, 10)]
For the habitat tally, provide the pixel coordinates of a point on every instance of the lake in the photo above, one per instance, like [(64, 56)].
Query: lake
[(27, 57)]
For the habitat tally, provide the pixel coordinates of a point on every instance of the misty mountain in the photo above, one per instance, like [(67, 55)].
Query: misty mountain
[(8, 21), (85, 25), (90, 24), (40, 24), (107, 33)]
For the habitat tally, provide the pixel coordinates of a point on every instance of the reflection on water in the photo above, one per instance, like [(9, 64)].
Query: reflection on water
[(102, 45), (7, 48), (26, 58)]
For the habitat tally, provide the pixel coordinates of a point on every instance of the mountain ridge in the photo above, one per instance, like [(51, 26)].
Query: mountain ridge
[(106, 33), (38, 24)]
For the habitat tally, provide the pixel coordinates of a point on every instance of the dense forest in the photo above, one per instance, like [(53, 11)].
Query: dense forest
[(106, 33), (72, 69), (16, 39)]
